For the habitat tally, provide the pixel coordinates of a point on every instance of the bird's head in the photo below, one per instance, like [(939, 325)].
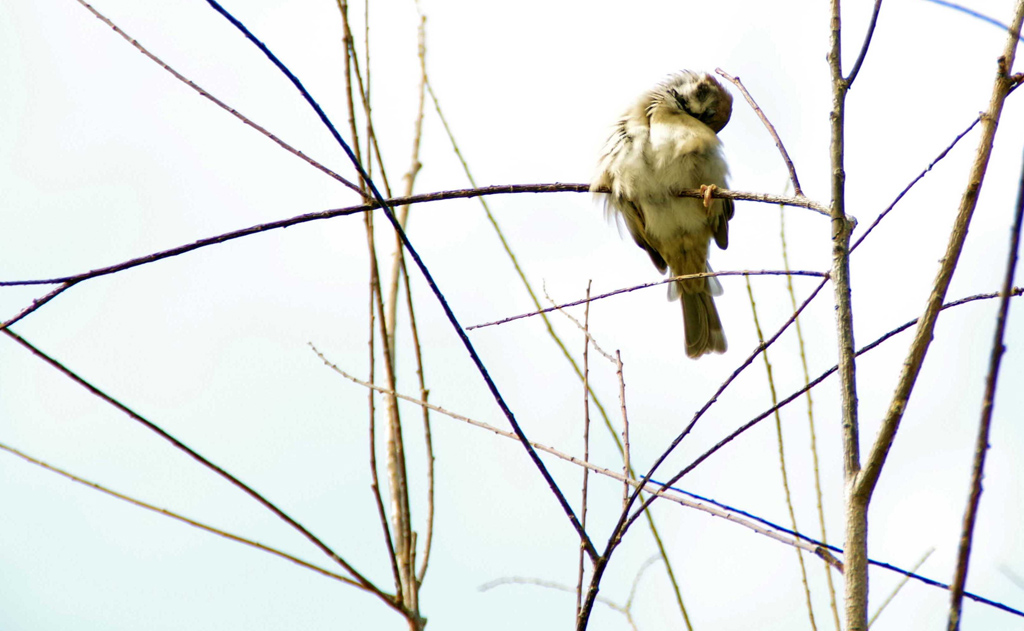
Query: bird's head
[(700, 95)]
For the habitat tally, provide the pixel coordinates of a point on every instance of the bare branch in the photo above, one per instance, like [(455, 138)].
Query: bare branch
[(782, 454), (191, 522), (771, 129), (711, 507), (917, 179), (366, 584), (864, 47), (866, 480), (654, 284), (985, 424), (215, 100)]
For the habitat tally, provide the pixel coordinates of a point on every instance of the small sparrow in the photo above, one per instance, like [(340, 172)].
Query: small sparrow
[(665, 143)]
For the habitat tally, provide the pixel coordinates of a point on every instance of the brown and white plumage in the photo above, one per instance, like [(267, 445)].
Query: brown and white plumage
[(665, 143)]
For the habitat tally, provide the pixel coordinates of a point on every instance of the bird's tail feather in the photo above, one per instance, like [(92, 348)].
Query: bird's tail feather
[(702, 325)]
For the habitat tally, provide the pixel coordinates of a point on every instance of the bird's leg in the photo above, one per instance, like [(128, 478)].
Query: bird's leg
[(707, 190)]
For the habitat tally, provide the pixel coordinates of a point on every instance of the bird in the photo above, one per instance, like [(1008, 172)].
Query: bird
[(667, 142)]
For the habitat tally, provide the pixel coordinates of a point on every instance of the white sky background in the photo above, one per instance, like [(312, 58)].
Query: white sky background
[(104, 157)]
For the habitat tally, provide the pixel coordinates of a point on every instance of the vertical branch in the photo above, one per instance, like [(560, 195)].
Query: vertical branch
[(397, 478), (856, 561), (427, 436), (374, 477), (981, 446), (810, 419), (1002, 85), (398, 263), (586, 442), (625, 429), (782, 454)]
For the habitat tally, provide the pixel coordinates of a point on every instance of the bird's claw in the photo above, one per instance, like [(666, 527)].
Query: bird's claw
[(707, 190)]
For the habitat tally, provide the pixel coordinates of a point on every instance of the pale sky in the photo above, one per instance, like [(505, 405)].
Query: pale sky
[(104, 157)]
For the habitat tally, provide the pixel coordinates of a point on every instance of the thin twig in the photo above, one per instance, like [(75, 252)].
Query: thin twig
[(221, 104), (653, 284), (625, 520), (907, 188), (658, 542), (626, 467), (867, 479), (394, 551), (539, 582), (899, 586), (864, 47), (586, 443), (365, 583), (396, 467), (782, 455), (721, 389), (771, 129), (398, 260), (178, 517), (704, 504), (1016, 292), (819, 503), (985, 423), (449, 314), (427, 434), (330, 214)]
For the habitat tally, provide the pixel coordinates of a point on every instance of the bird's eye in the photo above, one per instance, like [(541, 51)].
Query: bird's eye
[(702, 91)]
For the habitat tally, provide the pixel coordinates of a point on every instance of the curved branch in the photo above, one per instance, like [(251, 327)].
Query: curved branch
[(865, 45), (771, 128)]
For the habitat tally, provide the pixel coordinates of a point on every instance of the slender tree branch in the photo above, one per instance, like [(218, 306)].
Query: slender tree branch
[(339, 212), (787, 495), (864, 47), (771, 129), (654, 284), (178, 517), (427, 435), (364, 582), (586, 445), (816, 469), (704, 504), (625, 520), (868, 478), (221, 104), (985, 424), (899, 586), (917, 179)]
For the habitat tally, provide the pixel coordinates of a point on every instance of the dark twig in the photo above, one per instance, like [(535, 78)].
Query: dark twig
[(365, 583), (727, 512), (988, 402), (625, 520), (771, 129), (1015, 292), (645, 286), (470, 349), (734, 514), (221, 104), (864, 47), (760, 348), (500, 189), (907, 188)]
